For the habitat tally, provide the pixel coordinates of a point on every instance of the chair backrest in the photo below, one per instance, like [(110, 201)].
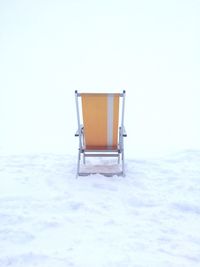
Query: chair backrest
[(100, 120)]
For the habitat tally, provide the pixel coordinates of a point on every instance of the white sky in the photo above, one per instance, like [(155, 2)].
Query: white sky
[(48, 49)]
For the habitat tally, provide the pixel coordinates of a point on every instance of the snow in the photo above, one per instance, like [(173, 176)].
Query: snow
[(149, 218)]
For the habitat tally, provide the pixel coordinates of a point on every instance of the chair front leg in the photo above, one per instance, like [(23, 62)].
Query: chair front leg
[(78, 163)]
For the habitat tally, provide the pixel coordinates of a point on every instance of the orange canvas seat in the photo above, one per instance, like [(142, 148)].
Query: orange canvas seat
[(98, 127)]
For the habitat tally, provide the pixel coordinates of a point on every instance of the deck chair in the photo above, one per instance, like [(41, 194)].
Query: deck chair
[(98, 128)]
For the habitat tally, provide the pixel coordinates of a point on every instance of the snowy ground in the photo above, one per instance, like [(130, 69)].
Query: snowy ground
[(149, 218)]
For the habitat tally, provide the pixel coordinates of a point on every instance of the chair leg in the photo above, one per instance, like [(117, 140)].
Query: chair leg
[(118, 158), (123, 167), (84, 158), (78, 163)]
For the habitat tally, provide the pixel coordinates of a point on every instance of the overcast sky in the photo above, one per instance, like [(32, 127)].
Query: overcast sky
[(48, 49)]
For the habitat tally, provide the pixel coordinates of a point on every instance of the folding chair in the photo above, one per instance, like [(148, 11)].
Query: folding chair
[(98, 128)]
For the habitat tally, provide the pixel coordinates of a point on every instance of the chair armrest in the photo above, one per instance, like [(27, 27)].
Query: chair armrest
[(77, 132), (123, 132)]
